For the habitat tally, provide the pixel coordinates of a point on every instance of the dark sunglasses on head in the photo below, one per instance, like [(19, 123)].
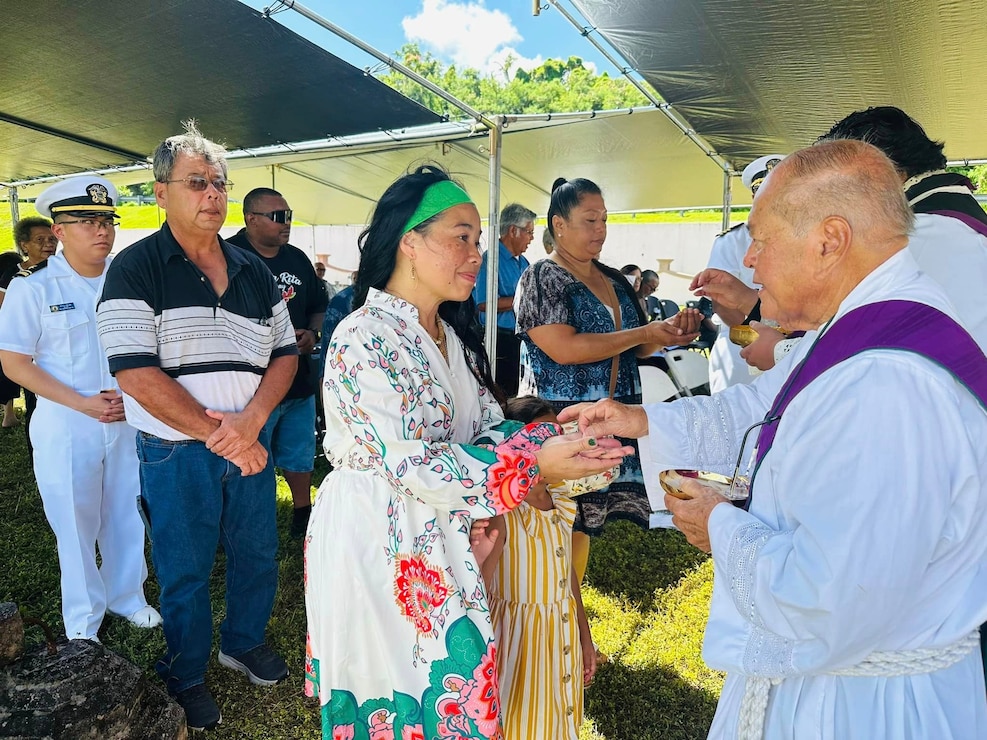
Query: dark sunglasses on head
[(278, 217)]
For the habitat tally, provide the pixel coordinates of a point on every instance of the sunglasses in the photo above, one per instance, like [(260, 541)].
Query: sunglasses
[(278, 217)]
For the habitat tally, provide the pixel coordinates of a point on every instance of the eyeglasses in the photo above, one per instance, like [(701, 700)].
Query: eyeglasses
[(92, 224), (740, 483), (278, 217), (198, 184), (530, 232), (42, 241)]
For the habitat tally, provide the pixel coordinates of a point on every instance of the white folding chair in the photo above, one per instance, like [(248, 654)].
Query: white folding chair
[(656, 386), (689, 370)]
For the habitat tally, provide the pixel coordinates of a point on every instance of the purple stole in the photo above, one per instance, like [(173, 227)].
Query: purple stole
[(899, 325), (974, 223)]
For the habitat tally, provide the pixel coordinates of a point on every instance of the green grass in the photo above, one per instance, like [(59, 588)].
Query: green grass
[(647, 596)]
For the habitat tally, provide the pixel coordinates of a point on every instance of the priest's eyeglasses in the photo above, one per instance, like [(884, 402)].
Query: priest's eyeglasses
[(199, 184), (279, 217)]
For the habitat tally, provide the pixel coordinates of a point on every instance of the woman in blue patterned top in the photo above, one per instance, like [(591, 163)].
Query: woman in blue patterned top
[(582, 329)]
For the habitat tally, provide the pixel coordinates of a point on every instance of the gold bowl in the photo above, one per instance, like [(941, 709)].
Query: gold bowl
[(671, 481), (742, 335)]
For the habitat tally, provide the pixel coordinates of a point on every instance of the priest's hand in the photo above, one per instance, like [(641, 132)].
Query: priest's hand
[(607, 417), (692, 516), (732, 299)]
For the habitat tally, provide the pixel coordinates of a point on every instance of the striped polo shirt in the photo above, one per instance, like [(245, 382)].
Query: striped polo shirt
[(159, 310)]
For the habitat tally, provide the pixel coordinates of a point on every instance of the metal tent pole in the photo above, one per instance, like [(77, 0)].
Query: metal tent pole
[(493, 242), (15, 213), (727, 193)]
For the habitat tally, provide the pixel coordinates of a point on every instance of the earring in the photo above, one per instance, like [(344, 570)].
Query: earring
[(414, 274)]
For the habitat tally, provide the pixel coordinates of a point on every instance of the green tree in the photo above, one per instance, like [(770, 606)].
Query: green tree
[(556, 86)]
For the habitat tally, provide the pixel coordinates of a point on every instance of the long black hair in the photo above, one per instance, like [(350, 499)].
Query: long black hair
[(378, 256), (566, 195)]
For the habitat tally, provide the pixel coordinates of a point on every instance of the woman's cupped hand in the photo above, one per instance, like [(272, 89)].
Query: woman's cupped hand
[(575, 455)]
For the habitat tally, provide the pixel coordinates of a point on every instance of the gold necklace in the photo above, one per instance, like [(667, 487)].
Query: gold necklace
[(440, 340)]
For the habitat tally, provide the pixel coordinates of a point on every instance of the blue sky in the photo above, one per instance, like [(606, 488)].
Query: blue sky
[(475, 33)]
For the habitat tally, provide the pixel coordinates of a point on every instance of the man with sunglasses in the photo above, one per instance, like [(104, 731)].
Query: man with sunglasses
[(201, 344), (290, 429), (84, 450), (517, 229)]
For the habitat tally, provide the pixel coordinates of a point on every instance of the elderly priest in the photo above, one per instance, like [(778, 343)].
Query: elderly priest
[(848, 591)]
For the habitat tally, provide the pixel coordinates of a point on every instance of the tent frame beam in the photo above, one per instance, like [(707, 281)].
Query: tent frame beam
[(24, 123), (494, 127), (380, 56), (588, 33)]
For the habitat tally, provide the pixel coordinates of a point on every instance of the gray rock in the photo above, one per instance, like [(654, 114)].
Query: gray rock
[(11, 633), (85, 691)]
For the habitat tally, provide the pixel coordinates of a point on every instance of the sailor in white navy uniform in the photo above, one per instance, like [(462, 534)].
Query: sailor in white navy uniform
[(726, 366), (85, 458)]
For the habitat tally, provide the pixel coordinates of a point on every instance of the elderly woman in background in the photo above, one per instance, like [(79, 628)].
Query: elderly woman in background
[(400, 639), (35, 244), (583, 328)]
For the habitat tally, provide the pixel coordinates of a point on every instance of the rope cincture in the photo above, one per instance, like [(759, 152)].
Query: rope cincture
[(754, 704)]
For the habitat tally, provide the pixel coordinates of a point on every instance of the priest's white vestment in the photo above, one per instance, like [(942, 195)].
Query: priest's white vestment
[(867, 532)]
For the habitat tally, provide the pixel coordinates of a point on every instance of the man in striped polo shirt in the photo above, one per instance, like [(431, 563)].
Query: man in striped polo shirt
[(201, 344)]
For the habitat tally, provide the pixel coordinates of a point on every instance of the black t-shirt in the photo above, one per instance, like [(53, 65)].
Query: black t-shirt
[(303, 293), (10, 265)]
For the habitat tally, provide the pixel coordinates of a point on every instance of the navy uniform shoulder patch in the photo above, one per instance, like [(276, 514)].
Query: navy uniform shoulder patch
[(732, 228), (28, 271)]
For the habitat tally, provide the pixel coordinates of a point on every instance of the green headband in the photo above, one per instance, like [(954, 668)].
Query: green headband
[(438, 197)]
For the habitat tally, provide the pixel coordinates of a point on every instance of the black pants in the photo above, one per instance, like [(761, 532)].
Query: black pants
[(507, 368)]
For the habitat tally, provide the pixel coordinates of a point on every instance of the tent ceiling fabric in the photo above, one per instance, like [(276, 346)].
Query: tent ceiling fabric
[(125, 74), (772, 76), (640, 161)]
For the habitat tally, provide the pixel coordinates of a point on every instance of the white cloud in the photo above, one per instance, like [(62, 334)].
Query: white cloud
[(498, 60), (467, 33)]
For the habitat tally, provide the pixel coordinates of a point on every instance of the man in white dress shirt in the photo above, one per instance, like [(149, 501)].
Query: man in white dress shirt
[(847, 597), (726, 366)]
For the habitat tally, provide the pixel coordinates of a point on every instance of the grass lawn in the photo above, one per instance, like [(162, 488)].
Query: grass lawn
[(647, 595), (133, 216)]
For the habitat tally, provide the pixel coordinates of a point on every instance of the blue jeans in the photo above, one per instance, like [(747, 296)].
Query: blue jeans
[(194, 500)]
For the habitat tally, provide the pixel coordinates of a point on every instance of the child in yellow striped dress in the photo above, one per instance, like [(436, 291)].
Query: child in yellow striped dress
[(545, 653)]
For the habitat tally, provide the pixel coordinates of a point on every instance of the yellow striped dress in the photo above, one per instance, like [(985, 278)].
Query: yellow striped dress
[(539, 660)]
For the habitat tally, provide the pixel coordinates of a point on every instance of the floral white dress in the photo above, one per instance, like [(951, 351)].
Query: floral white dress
[(400, 638)]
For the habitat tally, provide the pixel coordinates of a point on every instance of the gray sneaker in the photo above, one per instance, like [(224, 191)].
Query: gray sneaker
[(262, 666)]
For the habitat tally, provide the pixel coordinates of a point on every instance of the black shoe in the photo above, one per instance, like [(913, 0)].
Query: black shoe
[(263, 666), (299, 522), (201, 712)]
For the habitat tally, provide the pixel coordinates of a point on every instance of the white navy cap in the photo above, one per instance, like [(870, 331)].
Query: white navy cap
[(756, 171), (88, 195)]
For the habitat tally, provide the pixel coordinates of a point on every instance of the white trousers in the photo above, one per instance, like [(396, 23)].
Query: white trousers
[(88, 476)]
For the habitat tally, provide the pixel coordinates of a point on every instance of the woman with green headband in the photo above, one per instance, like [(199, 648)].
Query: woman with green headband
[(400, 640)]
